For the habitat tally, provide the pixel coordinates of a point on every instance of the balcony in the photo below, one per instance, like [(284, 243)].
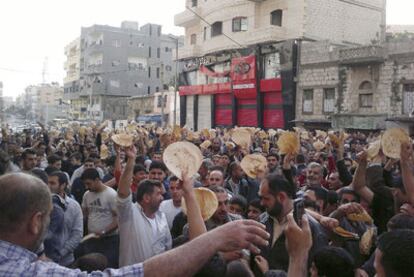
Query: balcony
[(265, 34), (189, 51), (187, 18), (361, 55)]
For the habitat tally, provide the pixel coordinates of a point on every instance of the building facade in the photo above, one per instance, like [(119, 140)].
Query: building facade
[(221, 37), (365, 88), (114, 64)]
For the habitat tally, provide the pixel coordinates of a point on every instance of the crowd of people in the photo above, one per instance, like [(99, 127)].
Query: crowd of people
[(92, 200)]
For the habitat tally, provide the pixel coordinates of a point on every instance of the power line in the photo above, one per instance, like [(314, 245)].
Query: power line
[(205, 21)]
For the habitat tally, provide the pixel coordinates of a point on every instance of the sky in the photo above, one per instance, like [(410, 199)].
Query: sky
[(33, 31)]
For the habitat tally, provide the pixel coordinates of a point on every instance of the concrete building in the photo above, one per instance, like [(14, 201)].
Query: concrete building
[(255, 43), (115, 64), (366, 88)]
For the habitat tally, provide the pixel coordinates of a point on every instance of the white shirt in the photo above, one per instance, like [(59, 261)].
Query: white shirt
[(136, 233), (167, 207)]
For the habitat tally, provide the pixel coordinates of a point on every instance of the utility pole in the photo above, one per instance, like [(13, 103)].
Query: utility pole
[(176, 81)]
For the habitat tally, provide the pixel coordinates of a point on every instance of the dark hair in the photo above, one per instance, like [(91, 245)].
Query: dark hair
[(397, 249), (21, 195), (173, 178), (273, 155), (53, 158), (332, 197), (256, 203), (349, 191), (90, 174), (94, 156), (76, 156), (41, 174), (110, 161), (140, 159), (89, 160), (147, 187), (91, 262), (50, 169), (27, 152), (232, 167), (217, 168), (237, 269), (279, 184), (217, 189), (321, 194), (300, 159), (334, 262), (138, 168), (239, 200), (158, 165), (62, 178), (401, 221)]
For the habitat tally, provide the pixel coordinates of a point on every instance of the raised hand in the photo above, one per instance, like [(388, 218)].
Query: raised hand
[(131, 152)]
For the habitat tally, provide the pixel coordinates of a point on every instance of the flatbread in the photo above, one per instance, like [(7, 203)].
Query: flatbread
[(361, 217), (181, 156), (288, 143), (104, 152), (367, 240), (373, 149), (253, 165), (207, 201), (345, 234), (391, 142), (206, 144), (318, 145), (123, 140), (241, 137)]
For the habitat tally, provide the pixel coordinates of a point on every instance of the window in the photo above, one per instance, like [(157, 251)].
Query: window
[(158, 52), (365, 100), (150, 30), (158, 72), (366, 96), (276, 17), (149, 90), (239, 24), (149, 51), (115, 63), (329, 100), (140, 45), (157, 89), (272, 65), (194, 3), (308, 101), (116, 43), (167, 49), (149, 72), (159, 31), (168, 68), (216, 28), (193, 39), (205, 33), (159, 101), (408, 102)]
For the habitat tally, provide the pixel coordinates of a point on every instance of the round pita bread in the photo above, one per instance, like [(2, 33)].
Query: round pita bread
[(318, 145), (181, 156), (367, 240), (104, 152), (123, 140), (288, 143), (373, 149), (207, 201), (241, 137), (391, 142), (253, 164), (206, 144)]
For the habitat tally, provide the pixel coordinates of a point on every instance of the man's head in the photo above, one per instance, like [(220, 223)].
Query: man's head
[(55, 161), (149, 195), (255, 210), (140, 173), (347, 195), (157, 157), (332, 262), (157, 171), (316, 198), (225, 160), (89, 163), (314, 174), (216, 145), (276, 195), (334, 183), (205, 168), (25, 204), (76, 159), (238, 205), (222, 211), (175, 189), (91, 179), (272, 161), (400, 221), (235, 171), (394, 254), (28, 159), (57, 182), (216, 178)]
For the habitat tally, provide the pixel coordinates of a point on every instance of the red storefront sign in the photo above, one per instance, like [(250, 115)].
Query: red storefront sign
[(243, 75)]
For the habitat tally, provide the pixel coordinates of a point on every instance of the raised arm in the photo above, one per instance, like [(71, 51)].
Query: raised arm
[(406, 170), (126, 177), (358, 183)]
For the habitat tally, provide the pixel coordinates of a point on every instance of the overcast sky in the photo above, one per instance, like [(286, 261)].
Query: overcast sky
[(34, 29)]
